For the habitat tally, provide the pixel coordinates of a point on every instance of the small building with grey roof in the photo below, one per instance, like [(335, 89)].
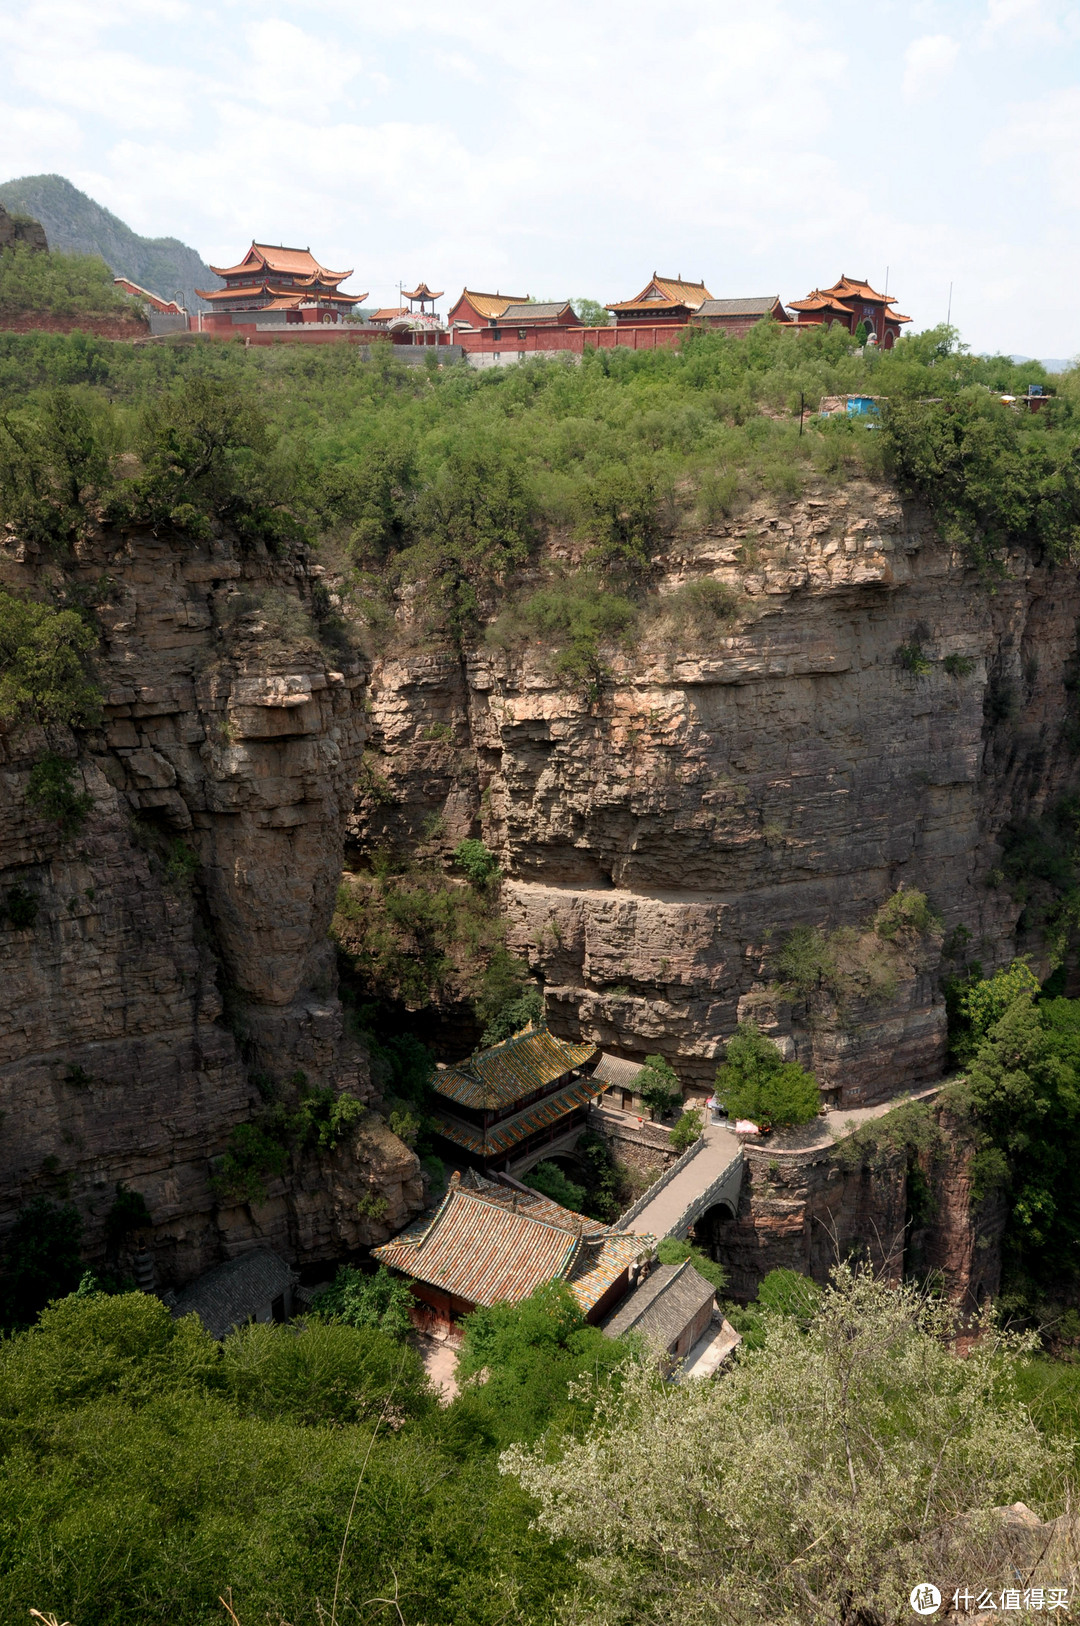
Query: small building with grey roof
[(738, 316), (670, 1310), (256, 1286)]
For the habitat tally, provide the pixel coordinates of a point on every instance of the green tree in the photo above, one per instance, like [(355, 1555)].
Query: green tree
[(591, 312), (658, 1086), (549, 1179), (687, 1130), (51, 791), (480, 865), (358, 1299), (43, 666), (42, 1259), (756, 1082), (673, 1250)]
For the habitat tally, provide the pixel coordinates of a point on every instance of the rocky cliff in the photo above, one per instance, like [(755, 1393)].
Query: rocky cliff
[(177, 971), (874, 718)]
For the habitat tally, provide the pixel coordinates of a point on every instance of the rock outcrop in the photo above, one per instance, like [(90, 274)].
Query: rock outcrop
[(659, 840), (178, 969), (21, 229)]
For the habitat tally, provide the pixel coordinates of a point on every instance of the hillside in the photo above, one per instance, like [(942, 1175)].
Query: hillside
[(75, 224)]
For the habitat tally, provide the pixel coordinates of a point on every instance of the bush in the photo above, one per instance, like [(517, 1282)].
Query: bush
[(53, 284), (673, 1250), (686, 1131), (658, 1087), (21, 908), (42, 1259), (755, 1082), (43, 677), (252, 1155), (361, 1300), (480, 865), (523, 1012), (906, 913), (572, 618), (51, 790), (550, 1181)]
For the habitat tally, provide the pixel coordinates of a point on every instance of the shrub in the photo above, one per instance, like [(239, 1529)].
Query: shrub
[(572, 618), (43, 677), (658, 1086), (550, 1180), (906, 913), (252, 1155), (525, 1011), (788, 1292), (686, 1131), (358, 1299), (913, 660), (55, 284), (41, 1261), (128, 1213), (958, 665), (673, 1250), (405, 1125), (21, 908), (755, 1082), (51, 790), (621, 516), (480, 865)]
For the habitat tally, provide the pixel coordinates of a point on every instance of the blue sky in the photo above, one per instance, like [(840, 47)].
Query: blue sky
[(571, 149)]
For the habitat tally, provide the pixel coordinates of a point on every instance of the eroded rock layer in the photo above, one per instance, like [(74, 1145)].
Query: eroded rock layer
[(661, 836), (178, 962)]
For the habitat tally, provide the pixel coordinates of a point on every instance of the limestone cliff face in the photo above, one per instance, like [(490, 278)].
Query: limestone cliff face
[(658, 841), (179, 956)]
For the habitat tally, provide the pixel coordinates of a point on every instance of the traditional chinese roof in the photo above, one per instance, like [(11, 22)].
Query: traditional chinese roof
[(282, 295), (390, 313), (422, 291), (843, 294), (487, 1244), (759, 306), (662, 1308), (492, 305), (502, 1075), (616, 1070), (288, 261), (233, 1293), (499, 1137), (665, 293), (549, 311)]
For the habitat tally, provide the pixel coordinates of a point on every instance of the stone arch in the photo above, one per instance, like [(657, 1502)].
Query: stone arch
[(710, 1227)]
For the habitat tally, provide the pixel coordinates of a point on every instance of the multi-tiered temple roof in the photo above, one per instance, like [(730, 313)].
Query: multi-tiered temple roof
[(497, 1100), (277, 278)]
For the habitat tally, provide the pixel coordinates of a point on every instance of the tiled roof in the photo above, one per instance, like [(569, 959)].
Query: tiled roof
[(488, 1244), (232, 1293), (662, 293), (615, 1070), (663, 1306), (760, 306), (537, 312), (492, 304), (422, 291), (497, 1077), (389, 313), (293, 261), (509, 1131)]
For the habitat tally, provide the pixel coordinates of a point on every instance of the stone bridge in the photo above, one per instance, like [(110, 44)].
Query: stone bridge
[(707, 1175)]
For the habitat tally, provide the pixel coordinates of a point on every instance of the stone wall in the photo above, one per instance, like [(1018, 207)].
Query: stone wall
[(129, 327), (640, 1146)]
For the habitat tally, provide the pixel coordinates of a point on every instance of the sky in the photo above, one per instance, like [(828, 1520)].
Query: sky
[(566, 150)]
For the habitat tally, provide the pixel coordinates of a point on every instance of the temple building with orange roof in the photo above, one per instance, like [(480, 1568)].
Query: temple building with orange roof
[(273, 284), (663, 299), (852, 303)]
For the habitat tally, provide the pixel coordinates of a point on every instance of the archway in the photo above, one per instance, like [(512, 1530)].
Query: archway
[(710, 1229)]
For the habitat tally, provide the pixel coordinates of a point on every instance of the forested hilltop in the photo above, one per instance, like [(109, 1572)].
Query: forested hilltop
[(571, 608)]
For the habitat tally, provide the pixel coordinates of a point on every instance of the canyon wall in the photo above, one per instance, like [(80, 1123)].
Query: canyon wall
[(659, 838), (178, 972)]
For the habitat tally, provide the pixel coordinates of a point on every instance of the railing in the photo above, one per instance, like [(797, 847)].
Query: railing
[(657, 1186)]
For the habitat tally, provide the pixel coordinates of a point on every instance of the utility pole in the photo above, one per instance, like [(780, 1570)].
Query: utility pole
[(948, 314)]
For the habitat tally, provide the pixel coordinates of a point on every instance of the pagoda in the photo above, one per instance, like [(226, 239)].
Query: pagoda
[(507, 1101), (423, 296), (663, 299), (275, 279), (852, 303)]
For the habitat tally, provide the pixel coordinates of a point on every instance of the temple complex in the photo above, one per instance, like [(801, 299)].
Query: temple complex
[(505, 1102), (852, 303), (282, 284)]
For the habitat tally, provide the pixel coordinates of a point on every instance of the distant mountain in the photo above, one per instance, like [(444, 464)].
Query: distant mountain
[(1052, 365), (75, 224)]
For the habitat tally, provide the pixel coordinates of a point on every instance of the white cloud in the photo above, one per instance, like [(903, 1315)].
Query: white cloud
[(1049, 129), (927, 64)]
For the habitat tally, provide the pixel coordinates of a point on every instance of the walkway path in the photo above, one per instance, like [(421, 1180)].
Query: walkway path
[(666, 1214)]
